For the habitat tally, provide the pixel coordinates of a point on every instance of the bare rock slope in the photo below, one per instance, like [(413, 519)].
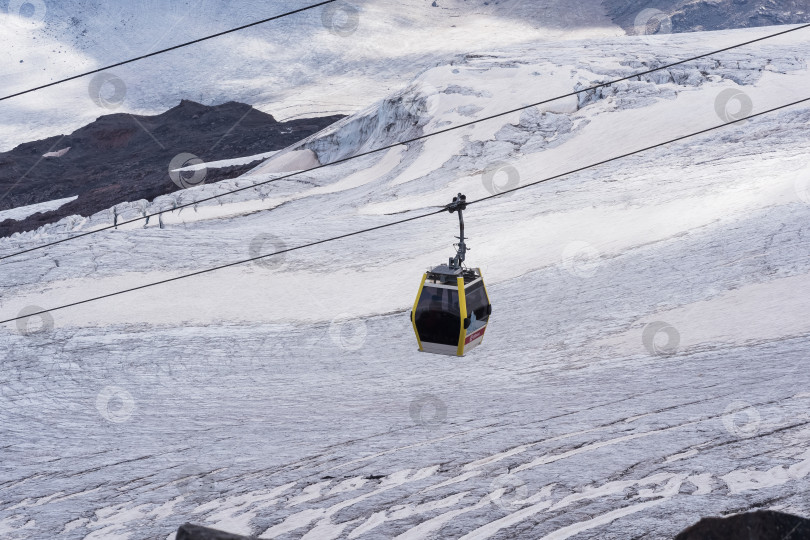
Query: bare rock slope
[(123, 157)]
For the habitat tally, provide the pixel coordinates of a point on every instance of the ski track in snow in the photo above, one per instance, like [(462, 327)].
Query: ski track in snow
[(282, 399)]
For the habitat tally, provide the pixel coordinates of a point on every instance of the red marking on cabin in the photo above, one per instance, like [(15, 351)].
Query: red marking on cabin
[(476, 335)]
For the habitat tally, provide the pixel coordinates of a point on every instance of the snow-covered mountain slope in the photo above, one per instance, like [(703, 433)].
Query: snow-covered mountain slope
[(332, 60), (698, 15), (643, 366)]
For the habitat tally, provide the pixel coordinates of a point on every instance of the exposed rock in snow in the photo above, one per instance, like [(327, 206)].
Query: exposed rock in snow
[(196, 532), (763, 524)]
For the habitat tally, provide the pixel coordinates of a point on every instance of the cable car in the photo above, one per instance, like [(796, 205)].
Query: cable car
[(452, 308)]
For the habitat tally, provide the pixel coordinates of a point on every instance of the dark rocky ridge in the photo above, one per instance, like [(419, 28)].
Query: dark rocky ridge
[(758, 525), (197, 532), (698, 15), (122, 157)]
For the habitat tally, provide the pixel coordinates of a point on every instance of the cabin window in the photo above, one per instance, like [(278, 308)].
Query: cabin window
[(438, 316)]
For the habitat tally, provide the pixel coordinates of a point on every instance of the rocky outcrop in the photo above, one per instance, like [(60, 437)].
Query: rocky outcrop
[(123, 157), (760, 525), (196, 532)]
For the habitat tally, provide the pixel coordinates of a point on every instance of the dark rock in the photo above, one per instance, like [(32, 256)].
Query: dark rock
[(760, 525), (196, 532), (123, 157), (711, 15)]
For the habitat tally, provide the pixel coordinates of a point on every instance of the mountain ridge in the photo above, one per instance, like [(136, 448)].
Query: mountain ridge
[(122, 157)]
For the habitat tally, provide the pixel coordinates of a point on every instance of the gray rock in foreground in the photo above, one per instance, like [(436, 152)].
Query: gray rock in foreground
[(196, 532), (760, 525)]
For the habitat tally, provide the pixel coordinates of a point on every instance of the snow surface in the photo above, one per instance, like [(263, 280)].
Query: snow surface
[(644, 365), (294, 160), (22, 212), (57, 154), (224, 163)]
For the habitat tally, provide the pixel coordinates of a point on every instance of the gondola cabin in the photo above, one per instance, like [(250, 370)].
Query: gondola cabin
[(452, 307), (451, 311)]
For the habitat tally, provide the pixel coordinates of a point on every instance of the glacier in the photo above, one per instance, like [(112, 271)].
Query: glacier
[(644, 366)]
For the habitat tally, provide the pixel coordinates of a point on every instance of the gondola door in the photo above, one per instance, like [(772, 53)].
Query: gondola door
[(437, 319)]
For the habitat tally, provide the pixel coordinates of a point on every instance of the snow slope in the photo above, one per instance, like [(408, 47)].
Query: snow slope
[(316, 63), (22, 212), (643, 366)]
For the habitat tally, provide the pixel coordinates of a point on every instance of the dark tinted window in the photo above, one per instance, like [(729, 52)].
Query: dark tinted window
[(438, 316), (477, 302)]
